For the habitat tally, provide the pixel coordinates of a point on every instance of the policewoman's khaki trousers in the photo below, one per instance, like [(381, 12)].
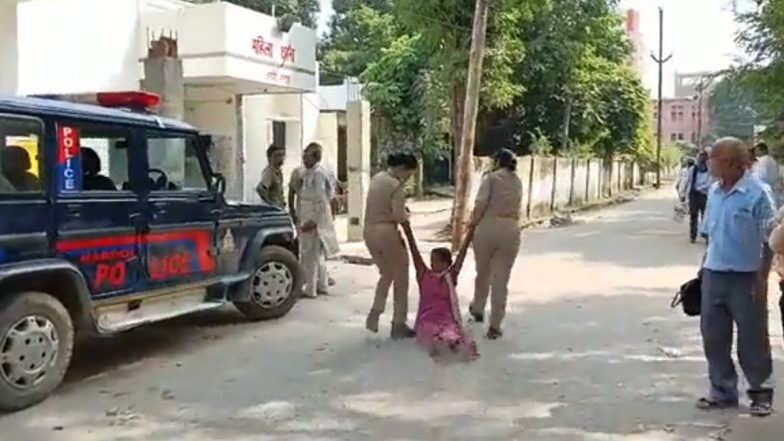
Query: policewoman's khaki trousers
[(390, 255), (496, 244)]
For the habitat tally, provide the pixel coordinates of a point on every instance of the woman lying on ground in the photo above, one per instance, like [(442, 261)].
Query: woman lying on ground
[(439, 328)]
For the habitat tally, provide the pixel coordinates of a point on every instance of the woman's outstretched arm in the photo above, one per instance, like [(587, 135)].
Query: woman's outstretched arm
[(419, 264), (461, 254)]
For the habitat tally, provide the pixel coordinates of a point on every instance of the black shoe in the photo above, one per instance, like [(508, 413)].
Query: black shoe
[(401, 331), (494, 333), (708, 404), (761, 408), (477, 316)]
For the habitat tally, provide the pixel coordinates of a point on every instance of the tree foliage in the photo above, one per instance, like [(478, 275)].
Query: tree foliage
[(359, 32), (761, 76), (753, 91), (577, 71), (550, 65), (733, 108)]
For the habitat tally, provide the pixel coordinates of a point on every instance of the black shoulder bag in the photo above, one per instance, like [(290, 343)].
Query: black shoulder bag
[(689, 297)]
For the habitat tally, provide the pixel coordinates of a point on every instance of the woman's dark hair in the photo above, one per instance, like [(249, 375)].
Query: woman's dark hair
[(402, 159), (443, 253), (506, 158), (761, 146)]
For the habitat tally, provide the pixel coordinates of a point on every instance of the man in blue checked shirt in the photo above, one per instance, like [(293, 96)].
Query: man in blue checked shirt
[(738, 220)]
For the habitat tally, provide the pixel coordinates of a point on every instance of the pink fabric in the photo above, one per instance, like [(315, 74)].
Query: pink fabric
[(438, 327)]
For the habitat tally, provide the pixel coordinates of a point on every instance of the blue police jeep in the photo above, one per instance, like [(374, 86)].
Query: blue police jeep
[(111, 219)]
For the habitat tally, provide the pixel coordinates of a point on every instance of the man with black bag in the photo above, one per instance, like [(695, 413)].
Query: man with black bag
[(739, 217)]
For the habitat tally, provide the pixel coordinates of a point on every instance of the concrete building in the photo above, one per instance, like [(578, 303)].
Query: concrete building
[(633, 32), (682, 121), (246, 82), (333, 103), (686, 116)]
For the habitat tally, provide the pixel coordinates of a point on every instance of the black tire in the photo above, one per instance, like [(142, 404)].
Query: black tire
[(14, 308), (260, 307)]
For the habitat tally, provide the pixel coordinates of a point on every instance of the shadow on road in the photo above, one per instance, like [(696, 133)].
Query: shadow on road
[(98, 356), (590, 368)]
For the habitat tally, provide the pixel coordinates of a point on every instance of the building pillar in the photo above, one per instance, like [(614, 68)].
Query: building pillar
[(9, 49), (163, 76), (358, 162)]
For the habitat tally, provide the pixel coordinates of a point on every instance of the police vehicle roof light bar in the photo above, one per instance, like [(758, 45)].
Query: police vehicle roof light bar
[(129, 100)]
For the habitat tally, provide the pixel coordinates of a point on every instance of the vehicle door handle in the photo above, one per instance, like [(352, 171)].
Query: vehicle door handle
[(73, 210)]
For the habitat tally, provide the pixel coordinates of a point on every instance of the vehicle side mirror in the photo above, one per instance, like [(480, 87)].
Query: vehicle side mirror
[(219, 184)]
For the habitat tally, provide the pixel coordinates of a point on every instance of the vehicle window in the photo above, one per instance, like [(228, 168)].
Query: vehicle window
[(174, 164), (20, 154), (92, 157)]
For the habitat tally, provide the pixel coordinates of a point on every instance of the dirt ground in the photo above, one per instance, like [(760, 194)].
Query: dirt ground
[(591, 352)]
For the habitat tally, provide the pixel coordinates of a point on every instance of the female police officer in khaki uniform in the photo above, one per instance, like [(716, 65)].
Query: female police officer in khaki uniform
[(497, 239), (384, 210)]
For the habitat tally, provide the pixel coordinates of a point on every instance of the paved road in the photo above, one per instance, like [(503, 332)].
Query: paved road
[(592, 352)]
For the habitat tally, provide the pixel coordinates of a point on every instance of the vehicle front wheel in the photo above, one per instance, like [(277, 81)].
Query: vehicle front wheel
[(275, 285), (36, 343)]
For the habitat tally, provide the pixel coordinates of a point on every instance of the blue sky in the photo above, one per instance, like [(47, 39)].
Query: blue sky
[(699, 34)]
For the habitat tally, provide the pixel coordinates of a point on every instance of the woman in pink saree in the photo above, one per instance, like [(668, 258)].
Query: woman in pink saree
[(439, 328)]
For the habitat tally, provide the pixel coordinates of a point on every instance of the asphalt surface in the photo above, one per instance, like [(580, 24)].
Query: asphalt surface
[(591, 352)]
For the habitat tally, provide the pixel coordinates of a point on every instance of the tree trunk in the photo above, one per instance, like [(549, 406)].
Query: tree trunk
[(456, 104), (470, 110)]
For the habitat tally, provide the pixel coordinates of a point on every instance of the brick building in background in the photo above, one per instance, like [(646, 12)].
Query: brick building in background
[(686, 116)]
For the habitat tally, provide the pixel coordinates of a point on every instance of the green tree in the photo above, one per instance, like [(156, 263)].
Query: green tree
[(761, 75), (733, 109), (445, 29), (359, 31), (578, 82), (402, 92)]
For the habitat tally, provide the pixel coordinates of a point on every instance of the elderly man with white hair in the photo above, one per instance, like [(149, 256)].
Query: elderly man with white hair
[(738, 220)]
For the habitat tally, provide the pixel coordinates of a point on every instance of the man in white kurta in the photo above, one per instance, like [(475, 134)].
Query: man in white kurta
[(318, 240), (766, 169)]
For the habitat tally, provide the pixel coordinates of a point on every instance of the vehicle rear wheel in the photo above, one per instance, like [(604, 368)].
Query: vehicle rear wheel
[(275, 285), (36, 344)]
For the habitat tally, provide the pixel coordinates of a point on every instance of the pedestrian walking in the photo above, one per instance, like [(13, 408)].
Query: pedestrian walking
[(385, 210), (738, 220), (270, 187), (439, 327), (496, 217), (683, 177), (318, 240), (695, 190)]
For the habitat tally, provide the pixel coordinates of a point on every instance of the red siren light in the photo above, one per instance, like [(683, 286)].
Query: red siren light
[(130, 100)]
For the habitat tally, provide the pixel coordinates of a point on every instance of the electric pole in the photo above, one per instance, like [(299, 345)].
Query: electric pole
[(660, 60), (465, 159)]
